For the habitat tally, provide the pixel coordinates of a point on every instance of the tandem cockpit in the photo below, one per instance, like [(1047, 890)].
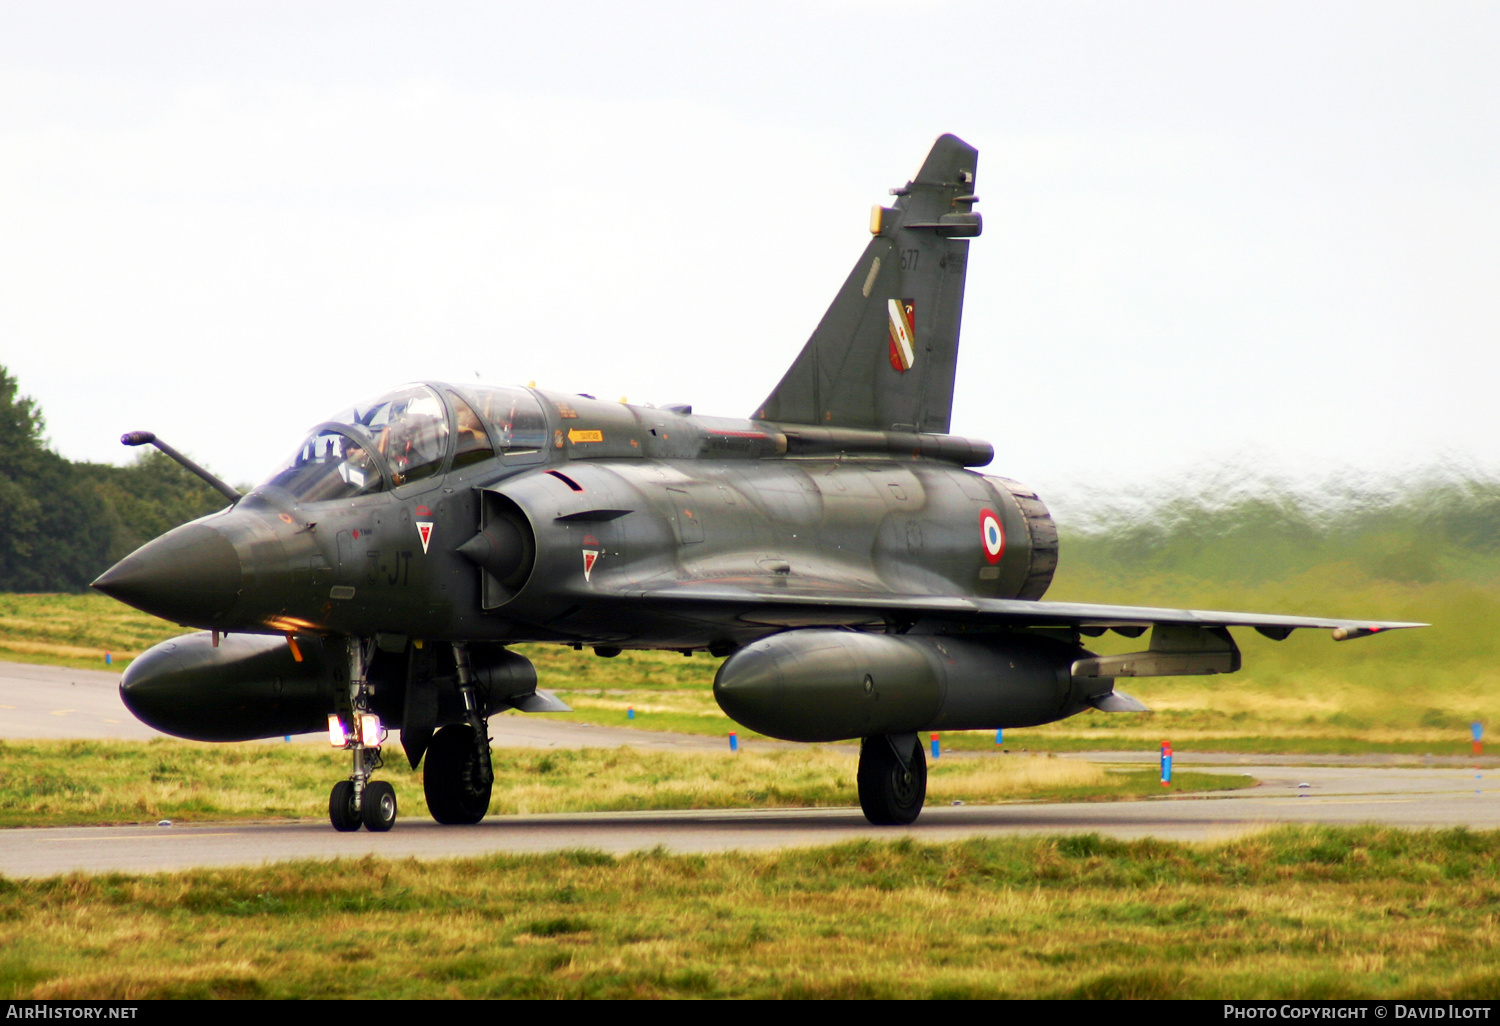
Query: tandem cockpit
[(405, 436)]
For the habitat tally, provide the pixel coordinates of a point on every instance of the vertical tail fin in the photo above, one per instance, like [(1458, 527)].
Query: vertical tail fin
[(884, 355)]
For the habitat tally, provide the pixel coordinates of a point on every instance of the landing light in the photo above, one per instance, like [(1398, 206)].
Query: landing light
[(336, 735), (369, 730)]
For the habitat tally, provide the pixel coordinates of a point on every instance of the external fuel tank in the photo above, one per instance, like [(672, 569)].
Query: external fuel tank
[(834, 685)]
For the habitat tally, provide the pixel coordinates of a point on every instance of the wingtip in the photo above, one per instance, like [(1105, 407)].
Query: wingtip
[(1350, 633)]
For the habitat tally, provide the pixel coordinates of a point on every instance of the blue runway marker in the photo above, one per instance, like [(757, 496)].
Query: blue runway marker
[(734, 741), (935, 750), (1000, 736), (1166, 763), (630, 712), (1477, 729)]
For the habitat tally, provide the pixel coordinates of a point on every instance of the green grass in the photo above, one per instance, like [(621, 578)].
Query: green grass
[(563, 667), (63, 783), (1310, 913), (76, 630)]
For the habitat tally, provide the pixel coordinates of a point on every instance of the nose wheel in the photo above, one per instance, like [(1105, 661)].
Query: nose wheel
[(378, 811), (343, 810), (373, 807)]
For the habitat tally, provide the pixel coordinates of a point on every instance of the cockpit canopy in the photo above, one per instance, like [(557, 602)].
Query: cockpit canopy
[(407, 435)]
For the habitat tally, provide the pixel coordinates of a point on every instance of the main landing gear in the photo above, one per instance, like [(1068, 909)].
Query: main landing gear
[(459, 775), (892, 779), (359, 800), (457, 778)]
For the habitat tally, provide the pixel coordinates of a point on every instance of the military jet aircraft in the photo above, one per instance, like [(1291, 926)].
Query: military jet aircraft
[(861, 579)]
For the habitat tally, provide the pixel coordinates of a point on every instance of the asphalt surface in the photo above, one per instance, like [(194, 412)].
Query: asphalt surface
[(41, 701), (56, 702)]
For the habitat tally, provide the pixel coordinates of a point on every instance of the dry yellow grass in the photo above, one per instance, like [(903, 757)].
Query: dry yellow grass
[(76, 630), (999, 778)]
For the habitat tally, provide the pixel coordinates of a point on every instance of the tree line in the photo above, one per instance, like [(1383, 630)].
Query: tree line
[(63, 523)]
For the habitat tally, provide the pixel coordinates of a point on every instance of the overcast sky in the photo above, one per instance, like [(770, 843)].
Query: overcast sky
[(1213, 232)]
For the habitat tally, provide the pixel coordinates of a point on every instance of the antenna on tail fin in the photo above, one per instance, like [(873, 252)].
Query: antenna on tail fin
[(884, 355)]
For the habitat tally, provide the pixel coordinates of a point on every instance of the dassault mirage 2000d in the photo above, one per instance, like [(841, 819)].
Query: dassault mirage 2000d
[(862, 581)]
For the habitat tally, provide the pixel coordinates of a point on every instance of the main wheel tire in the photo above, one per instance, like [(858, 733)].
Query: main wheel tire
[(452, 780), (889, 793), (342, 812), (378, 810)]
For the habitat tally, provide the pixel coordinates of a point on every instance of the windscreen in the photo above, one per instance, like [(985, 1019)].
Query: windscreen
[(329, 464), (396, 438)]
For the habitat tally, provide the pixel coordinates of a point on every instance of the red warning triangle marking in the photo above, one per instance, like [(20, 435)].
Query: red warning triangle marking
[(590, 557), (424, 528)]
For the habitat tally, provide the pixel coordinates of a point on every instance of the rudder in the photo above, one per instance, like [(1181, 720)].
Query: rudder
[(884, 355)]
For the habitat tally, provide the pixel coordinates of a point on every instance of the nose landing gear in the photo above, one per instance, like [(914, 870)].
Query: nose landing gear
[(360, 800)]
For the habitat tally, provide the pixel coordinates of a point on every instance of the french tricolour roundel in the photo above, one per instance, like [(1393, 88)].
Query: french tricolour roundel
[(992, 534)]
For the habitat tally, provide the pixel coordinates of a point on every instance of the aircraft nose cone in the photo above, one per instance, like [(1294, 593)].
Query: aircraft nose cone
[(190, 575)]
